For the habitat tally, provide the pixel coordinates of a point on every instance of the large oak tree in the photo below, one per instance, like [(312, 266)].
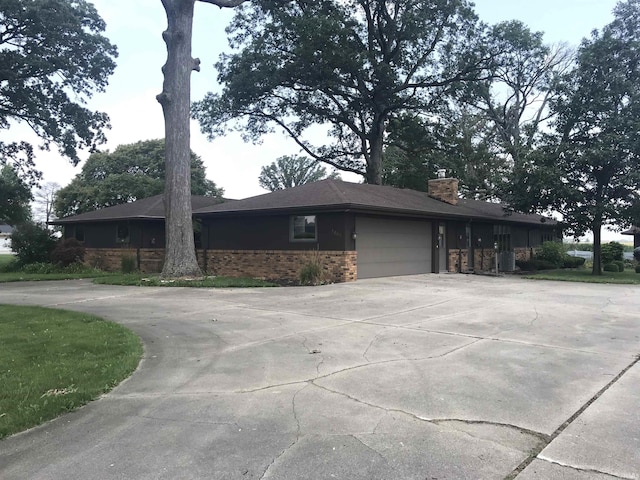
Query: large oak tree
[(347, 65), (589, 169), (180, 257), (53, 57), (599, 128)]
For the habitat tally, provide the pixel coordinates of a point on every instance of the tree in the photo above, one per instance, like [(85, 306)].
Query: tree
[(291, 171), (43, 202), (462, 143), (175, 99), (594, 168), (487, 136), (32, 243), (348, 65), (129, 173), (515, 97), (15, 196), (53, 58)]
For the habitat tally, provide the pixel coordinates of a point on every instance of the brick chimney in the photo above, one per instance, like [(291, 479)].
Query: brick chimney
[(444, 189)]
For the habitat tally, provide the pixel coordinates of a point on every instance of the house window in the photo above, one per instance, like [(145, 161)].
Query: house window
[(547, 236), (79, 234), (303, 228), (502, 236), (122, 233)]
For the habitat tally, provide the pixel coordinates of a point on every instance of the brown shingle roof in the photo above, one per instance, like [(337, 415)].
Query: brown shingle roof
[(146, 208), (336, 194)]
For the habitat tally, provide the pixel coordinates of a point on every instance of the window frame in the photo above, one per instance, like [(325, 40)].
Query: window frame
[(78, 231), (123, 240), (292, 231)]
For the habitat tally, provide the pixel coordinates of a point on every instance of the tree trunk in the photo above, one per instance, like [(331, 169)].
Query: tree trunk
[(180, 256), (597, 242), (374, 162)]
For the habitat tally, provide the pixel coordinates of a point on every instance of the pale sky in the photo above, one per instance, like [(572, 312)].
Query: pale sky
[(135, 26)]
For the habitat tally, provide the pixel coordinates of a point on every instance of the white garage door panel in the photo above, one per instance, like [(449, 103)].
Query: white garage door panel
[(392, 247)]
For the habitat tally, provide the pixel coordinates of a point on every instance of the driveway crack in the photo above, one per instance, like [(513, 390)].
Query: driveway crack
[(584, 470), (569, 421), (369, 447)]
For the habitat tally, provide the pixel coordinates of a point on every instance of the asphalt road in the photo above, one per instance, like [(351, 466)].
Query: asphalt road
[(421, 377)]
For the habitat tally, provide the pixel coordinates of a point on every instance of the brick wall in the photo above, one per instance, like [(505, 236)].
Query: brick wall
[(337, 266), (108, 259), (458, 260), (524, 253)]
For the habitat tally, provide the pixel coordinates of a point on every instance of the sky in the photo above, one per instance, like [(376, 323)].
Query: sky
[(135, 26)]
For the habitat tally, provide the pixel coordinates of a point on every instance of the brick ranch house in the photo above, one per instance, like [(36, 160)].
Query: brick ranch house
[(635, 232), (355, 230)]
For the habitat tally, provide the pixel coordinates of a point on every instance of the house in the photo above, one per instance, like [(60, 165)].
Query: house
[(354, 230), (5, 237), (635, 231), (135, 228)]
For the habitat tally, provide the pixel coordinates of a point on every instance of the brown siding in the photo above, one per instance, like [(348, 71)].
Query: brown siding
[(272, 233), (103, 234)]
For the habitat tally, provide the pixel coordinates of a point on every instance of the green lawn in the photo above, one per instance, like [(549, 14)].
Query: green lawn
[(629, 276), (39, 277), (53, 361), (155, 281), (5, 259)]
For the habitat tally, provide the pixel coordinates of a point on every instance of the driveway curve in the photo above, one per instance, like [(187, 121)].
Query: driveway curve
[(420, 377)]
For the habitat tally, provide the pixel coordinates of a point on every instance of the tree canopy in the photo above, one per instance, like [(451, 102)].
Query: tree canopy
[(488, 134), (348, 65), (53, 57), (15, 196), (129, 173), (589, 169), (291, 171)]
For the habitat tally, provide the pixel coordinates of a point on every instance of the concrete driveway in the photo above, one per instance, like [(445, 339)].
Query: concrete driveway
[(422, 377)]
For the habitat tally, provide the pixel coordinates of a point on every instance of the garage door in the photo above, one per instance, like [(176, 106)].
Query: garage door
[(392, 247)]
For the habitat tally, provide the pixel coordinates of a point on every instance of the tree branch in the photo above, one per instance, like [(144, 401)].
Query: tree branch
[(224, 3)]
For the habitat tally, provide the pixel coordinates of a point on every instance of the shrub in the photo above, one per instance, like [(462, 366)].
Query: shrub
[(67, 252), (552, 252), (32, 243), (128, 263), (572, 262), (39, 268), (98, 260), (535, 264), (610, 267), (636, 254), (620, 265), (611, 251), (637, 268), (311, 272)]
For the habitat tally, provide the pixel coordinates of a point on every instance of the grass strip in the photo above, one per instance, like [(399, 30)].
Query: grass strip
[(629, 276), (206, 282), (6, 277), (54, 361)]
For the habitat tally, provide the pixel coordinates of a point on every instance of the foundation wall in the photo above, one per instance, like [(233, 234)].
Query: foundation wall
[(337, 266)]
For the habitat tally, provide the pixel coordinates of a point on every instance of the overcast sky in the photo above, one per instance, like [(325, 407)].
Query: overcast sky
[(135, 26)]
